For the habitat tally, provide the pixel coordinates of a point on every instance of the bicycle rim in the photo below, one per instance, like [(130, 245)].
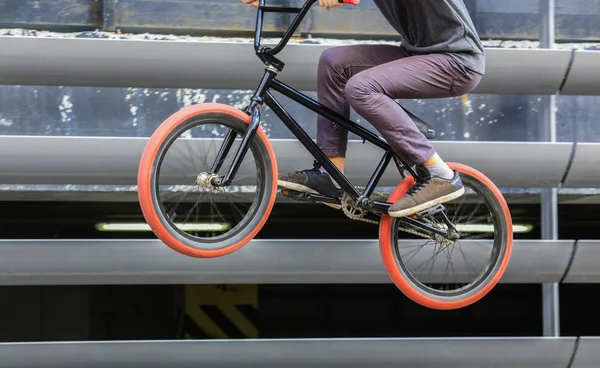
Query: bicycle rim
[(426, 282), (219, 236)]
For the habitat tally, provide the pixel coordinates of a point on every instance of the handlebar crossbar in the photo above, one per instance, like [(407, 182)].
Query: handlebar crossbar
[(267, 54)]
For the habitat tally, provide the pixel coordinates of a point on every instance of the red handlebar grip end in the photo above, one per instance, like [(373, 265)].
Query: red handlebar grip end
[(353, 2)]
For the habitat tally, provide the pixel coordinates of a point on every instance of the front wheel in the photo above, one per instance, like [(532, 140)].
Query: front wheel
[(435, 271), (175, 188)]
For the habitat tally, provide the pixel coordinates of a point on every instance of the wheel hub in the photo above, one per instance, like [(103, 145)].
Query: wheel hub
[(453, 235), (205, 179)]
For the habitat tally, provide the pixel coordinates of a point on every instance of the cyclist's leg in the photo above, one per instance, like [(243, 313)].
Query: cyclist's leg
[(336, 66), (371, 94)]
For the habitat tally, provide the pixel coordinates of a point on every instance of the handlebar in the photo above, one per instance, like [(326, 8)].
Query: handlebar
[(301, 13)]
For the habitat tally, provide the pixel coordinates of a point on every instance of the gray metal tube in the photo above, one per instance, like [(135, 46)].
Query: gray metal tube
[(550, 292)]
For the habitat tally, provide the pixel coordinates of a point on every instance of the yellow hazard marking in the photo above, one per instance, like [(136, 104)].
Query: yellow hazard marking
[(222, 311)]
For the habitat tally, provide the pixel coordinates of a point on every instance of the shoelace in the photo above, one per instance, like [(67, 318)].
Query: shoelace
[(417, 187), (314, 170)]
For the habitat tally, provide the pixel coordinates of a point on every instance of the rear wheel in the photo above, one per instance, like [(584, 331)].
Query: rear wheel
[(482, 219), (176, 195)]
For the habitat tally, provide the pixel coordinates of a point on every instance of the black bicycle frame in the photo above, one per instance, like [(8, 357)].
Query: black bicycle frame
[(263, 95)]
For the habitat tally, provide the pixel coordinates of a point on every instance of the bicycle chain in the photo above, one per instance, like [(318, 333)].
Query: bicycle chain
[(347, 202)]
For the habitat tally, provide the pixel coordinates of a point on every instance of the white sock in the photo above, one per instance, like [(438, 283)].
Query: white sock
[(441, 170)]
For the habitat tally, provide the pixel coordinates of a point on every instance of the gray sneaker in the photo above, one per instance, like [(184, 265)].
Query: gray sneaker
[(426, 194)]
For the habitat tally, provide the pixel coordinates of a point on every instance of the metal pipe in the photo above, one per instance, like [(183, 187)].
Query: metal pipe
[(549, 211)]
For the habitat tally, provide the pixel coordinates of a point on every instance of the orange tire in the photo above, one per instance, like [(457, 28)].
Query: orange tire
[(419, 295), (260, 146)]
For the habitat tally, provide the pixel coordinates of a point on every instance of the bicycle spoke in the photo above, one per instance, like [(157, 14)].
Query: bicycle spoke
[(461, 266)]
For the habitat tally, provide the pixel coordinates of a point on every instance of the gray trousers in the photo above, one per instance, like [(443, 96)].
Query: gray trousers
[(369, 77)]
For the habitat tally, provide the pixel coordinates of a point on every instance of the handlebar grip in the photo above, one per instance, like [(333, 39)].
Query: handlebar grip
[(353, 2)]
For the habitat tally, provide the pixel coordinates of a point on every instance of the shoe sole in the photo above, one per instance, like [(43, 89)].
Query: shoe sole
[(426, 205), (303, 189)]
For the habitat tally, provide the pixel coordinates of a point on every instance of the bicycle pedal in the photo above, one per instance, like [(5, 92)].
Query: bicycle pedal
[(311, 198), (298, 195), (431, 211), (293, 194)]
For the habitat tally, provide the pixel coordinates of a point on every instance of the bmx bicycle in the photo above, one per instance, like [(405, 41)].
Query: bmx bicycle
[(240, 149)]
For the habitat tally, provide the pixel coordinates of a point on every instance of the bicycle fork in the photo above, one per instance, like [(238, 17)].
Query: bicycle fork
[(241, 152), (254, 110)]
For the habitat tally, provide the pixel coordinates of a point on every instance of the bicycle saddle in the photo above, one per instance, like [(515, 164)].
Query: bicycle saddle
[(423, 127)]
